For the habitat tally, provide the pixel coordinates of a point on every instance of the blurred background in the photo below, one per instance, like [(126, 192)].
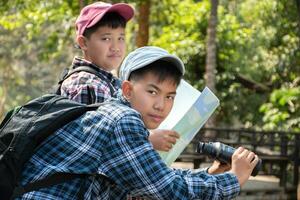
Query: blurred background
[(247, 51)]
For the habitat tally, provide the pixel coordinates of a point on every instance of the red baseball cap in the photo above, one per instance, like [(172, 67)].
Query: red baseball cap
[(92, 13)]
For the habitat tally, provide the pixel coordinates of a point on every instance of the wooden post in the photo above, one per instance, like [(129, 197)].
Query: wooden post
[(296, 165), (283, 165)]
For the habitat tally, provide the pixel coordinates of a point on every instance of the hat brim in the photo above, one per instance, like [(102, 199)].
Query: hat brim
[(174, 60), (122, 9)]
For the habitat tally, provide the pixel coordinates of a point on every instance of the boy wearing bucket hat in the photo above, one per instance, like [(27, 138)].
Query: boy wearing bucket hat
[(113, 141), (100, 34)]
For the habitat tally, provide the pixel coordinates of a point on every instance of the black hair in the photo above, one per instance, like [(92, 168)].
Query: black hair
[(161, 69), (111, 19)]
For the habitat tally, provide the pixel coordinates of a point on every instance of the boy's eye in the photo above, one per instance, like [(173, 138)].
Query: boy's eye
[(152, 92), (122, 38), (105, 39), (171, 97)]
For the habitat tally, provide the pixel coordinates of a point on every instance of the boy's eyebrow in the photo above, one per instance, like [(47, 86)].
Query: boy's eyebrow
[(157, 88), (103, 34)]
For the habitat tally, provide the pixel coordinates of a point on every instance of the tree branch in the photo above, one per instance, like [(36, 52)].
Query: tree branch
[(251, 84)]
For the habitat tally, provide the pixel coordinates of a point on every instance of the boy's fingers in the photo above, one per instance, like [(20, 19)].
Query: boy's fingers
[(169, 146), (239, 150), (245, 153), (171, 137), (251, 156), (172, 140), (165, 147), (254, 161), (174, 134)]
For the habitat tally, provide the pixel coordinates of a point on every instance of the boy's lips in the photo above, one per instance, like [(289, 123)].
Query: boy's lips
[(114, 56), (156, 118)]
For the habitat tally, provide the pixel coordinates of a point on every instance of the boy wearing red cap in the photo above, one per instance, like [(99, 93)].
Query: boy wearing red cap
[(100, 34)]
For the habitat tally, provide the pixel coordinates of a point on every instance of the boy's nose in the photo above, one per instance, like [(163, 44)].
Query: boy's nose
[(159, 105), (114, 46), (115, 49)]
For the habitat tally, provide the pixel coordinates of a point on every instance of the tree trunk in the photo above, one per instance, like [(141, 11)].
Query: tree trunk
[(298, 8), (211, 54), (2, 103), (4, 95), (81, 4), (142, 37)]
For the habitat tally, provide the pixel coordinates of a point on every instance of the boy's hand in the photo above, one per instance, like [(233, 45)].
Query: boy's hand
[(243, 162), (163, 140), (218, 167)]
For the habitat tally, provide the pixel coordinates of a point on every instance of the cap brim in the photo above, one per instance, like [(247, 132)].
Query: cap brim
[(176, 61), (123, 9)]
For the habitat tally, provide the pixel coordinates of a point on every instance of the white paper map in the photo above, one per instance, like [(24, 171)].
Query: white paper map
[(190, 111)]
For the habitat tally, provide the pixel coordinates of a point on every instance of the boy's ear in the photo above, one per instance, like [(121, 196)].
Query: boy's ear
[(81, 41), (127, 89)]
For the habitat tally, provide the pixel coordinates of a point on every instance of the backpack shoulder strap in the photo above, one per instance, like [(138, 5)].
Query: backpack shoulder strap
[(85, 69), (55, 179), (9, 115), (62, 77), (46, 182)]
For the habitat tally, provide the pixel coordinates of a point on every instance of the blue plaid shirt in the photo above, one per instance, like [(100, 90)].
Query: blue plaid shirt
[(114, 141), (88, 88)]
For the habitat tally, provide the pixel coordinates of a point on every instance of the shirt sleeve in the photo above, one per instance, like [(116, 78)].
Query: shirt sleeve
[(132, 163), (85, 88)]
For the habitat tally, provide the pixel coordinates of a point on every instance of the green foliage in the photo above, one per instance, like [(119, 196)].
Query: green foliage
[(181, 29), (257, 39), (283, 109), (37, 38)]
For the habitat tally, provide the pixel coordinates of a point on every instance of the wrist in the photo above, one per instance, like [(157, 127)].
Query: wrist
[(207, 170)]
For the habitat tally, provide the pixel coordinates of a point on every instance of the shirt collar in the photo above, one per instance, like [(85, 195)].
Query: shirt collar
[(77, 62), (122, 99)]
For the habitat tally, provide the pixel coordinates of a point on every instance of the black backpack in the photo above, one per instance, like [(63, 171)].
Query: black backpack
[(23, 129)]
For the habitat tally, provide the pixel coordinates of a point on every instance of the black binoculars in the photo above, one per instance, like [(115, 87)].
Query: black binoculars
[(222, 153)]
